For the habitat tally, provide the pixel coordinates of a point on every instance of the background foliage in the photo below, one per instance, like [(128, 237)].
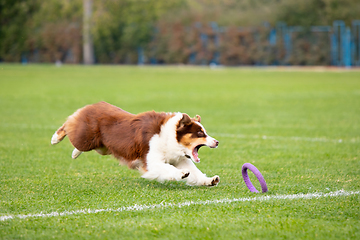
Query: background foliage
[(46, 31)]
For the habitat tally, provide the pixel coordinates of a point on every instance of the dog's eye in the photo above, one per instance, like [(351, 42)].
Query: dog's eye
[(200, 134)]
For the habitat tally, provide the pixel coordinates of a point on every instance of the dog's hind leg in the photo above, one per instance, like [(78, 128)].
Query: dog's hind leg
[(59, 135), (75, 153)]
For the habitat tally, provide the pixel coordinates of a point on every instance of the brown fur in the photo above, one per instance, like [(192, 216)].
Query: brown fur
[(188, 132), (111, 130)]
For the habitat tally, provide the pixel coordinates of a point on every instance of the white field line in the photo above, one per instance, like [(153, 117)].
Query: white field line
[(163, 205), (308, 139)]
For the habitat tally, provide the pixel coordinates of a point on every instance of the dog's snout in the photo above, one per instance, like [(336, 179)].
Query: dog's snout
[(212, 142)]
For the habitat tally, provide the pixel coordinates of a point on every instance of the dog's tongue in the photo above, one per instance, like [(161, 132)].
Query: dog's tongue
[(196, 155)]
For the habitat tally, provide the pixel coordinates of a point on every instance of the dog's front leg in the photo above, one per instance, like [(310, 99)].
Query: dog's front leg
[(158, 170), (196, 177), (165, 172)]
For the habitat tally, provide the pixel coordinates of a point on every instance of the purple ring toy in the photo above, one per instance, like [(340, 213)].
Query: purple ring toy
[(258, 175)]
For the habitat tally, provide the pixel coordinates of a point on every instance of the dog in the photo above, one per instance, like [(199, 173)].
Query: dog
[(162, 146)]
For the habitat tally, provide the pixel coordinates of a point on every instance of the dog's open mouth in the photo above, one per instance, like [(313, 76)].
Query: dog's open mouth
[(196, 154)]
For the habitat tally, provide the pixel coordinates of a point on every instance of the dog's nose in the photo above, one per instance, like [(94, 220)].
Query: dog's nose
[(216, 143)]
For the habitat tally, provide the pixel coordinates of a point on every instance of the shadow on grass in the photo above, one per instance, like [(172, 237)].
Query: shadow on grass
[(167, 185)]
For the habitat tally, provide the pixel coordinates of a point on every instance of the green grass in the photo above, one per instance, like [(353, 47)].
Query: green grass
[(303, 115)]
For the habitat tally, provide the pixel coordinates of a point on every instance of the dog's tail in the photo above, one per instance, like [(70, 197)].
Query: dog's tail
[(59, 135)]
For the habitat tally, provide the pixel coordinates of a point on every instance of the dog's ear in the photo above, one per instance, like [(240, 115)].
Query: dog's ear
[(197, 118), (185, 120)]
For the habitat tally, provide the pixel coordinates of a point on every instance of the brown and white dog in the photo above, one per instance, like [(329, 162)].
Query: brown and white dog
[(162, 146)]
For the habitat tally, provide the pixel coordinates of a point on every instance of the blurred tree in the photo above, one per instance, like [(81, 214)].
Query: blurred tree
[(120, 27), (228, 12), (57, 31), (318, 12), (14, 27), (88, 46)]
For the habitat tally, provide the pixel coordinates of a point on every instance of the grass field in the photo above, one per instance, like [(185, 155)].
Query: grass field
[(301, 129)]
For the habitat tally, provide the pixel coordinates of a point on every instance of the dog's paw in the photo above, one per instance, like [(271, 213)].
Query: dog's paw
[(75, 153), (185, 174), (214, 181)]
